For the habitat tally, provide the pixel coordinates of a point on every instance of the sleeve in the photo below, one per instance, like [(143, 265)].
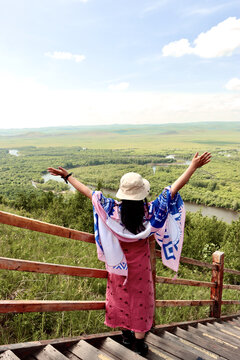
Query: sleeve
[(159, 208)]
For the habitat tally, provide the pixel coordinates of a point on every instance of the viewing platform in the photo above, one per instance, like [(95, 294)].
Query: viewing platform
[(217, 337)]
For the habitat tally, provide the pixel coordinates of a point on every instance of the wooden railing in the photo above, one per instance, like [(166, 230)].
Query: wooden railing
[(15, 306)]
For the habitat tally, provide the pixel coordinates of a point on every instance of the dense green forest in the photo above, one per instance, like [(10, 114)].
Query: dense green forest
[(99, 158)]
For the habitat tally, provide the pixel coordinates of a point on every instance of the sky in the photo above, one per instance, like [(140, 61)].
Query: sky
[(94, 62)]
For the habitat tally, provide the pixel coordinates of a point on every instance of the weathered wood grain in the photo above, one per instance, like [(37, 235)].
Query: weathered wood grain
[(206, 343), (86, 351), (40, 226), (168, 303), (49, 353), (8, 355), (47, 268), (170, 347), (217, 277), (118, 351), (22, 306), (178, 281), (197, 350)]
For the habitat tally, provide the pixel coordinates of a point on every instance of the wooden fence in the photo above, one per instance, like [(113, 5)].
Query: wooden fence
[(16, 306)]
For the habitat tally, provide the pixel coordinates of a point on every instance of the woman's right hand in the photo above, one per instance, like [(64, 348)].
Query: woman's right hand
[(58, 172)]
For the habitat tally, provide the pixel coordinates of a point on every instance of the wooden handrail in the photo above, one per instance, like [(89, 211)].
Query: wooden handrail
[(47, 268), (18, 306), (9, 306), (173, 303), (40, 226), (166, 280), (231, 271)]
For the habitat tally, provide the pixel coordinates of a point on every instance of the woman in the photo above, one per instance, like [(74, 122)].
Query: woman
[(121, 232)]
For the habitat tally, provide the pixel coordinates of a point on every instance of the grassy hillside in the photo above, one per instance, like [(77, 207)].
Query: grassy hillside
[(151, 137)]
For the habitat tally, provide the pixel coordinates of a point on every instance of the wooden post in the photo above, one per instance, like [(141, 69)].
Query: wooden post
[(152, 245), (217, 278)]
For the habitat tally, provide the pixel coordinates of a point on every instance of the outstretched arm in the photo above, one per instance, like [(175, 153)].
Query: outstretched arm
[(75, 183), (196, 162)]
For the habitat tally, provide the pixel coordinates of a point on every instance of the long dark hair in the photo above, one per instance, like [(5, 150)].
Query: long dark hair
[(132, 214)]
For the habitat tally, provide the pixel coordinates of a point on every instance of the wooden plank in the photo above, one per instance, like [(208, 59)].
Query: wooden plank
[(168, 303), (22, 306), (154, 353), (178, 281), (190, 261), (21, 349), (170, 347), (70, 355), (86, 351), (169, 327), (227, 347), (206, 343), (197, 350), (49, 353), (229, 286), (211, 329), (9, 355), (230, 302), (118, 351), (226, 327), (232, 271), (40, 226), (234, 322), (48, 268)]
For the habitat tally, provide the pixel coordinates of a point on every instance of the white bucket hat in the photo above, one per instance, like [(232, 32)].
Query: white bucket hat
[(133, 187)]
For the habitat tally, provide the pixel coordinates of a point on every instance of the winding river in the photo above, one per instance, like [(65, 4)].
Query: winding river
[(221, 214)]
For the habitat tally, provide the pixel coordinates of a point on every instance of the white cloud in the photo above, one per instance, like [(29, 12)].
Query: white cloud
[(221, 40), (233, 84), (61, 55), (119, 87)]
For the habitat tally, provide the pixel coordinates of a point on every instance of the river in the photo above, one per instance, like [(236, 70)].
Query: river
[(221, 214), (48, 176)]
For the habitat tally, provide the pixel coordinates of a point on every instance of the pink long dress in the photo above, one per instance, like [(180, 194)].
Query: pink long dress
[(130, 304)]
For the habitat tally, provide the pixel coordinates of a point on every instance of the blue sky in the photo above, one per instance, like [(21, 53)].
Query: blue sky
[(82, 62)]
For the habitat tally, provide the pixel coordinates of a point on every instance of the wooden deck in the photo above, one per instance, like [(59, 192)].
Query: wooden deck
[(207, 339)]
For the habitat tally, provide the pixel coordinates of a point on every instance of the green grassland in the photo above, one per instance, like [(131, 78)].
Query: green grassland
[(150, 138), (99, 156)]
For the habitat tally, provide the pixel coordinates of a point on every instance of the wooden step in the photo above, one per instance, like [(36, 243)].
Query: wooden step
[(195, 336), (197, 350), (228, 328), (172, 348), (220, 334), (226, 345), (85, 351), (8, 355), (154, 353), (118, 351), (49, 353)]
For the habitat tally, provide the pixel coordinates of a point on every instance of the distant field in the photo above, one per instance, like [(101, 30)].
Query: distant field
[(149, 138)]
